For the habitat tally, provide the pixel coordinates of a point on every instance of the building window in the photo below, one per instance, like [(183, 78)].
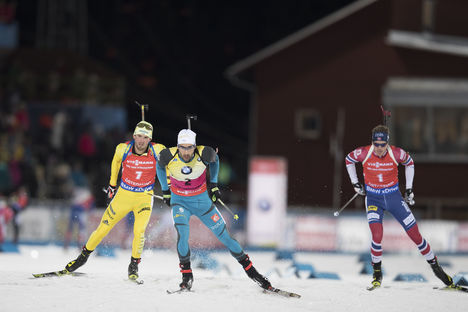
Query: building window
[(308, 124), (429, 118)]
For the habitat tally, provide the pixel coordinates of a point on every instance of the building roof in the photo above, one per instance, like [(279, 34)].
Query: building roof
[(296, 37), (398, 38), (428, 42)]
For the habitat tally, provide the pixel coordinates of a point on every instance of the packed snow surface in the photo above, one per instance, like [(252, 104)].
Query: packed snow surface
[(226, 288)]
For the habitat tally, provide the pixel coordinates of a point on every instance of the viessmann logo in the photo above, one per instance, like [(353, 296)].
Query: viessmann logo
[(139, 162), (378, 164)]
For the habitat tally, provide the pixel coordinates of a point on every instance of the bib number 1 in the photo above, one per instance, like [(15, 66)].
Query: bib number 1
[(380, 177)]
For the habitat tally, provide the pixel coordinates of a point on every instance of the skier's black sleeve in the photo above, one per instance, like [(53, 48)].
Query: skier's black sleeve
[(208, 155), (165, 157)]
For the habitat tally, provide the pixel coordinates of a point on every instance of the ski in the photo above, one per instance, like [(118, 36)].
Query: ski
[(178, 291), (373, 286), (280, 292), (453, 288), (57, 273), (136, 281)]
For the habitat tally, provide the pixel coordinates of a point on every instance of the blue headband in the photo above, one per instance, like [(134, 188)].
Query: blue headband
[(380, 136)]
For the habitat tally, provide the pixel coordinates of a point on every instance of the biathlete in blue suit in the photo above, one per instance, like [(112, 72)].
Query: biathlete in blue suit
[(186, 165)]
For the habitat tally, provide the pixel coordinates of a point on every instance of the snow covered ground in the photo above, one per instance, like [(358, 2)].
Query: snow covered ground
[(105, 288)]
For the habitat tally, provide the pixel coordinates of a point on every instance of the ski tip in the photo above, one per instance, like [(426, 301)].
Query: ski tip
[(453, 288), (57, 274), (370, 288), (273, 290), (135, 280), (178, 291)]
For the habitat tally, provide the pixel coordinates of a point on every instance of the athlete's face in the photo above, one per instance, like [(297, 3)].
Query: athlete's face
[(141, 143), (380, 147), (186, 151)]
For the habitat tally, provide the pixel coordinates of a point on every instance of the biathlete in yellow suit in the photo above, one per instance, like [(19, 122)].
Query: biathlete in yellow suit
[(138, 159)]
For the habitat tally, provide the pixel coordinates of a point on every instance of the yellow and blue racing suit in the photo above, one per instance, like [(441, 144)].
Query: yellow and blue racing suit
[(138, 177), (189, 196)]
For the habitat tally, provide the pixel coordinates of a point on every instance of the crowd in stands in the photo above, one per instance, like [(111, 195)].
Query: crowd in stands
[(8, 24), (7, 11), (45, 145)]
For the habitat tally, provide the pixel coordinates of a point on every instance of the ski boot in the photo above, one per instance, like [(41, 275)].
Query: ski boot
[(82, 258), (377, 275), (439, 272), (261, 280), (133, 268), (187, 276)]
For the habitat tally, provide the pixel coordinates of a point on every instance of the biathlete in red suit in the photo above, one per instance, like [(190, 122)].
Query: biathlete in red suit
[(380, 168)]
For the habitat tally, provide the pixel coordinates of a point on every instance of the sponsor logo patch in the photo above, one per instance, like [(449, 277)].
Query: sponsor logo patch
[(217, 225), (373, 216), (264, 204), (140, 162), (186, 170), (215, 217), (112, 218), (405, 205), (372, 208), (383, 190), (379, 164), (409, 219)]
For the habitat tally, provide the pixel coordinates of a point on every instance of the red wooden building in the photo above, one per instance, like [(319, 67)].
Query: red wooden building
[(316, 95)]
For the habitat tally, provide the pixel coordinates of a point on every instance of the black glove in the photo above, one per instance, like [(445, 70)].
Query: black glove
[(409, 196), (359, 189), (167, 197), (110, 193), (214, 192)]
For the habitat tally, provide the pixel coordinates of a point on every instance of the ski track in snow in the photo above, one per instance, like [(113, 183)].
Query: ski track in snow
[(105, 286)]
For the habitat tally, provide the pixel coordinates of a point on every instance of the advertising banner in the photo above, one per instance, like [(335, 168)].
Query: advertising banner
[(267, 192)]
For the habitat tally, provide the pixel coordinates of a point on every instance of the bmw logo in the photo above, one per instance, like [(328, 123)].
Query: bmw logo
[(264, 205), (186, 170)]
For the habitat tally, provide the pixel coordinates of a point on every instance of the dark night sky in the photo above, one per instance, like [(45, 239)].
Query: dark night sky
[(183, 48)]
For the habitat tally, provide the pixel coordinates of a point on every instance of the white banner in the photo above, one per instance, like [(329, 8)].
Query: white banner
[(266, 214), (266, 224)]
